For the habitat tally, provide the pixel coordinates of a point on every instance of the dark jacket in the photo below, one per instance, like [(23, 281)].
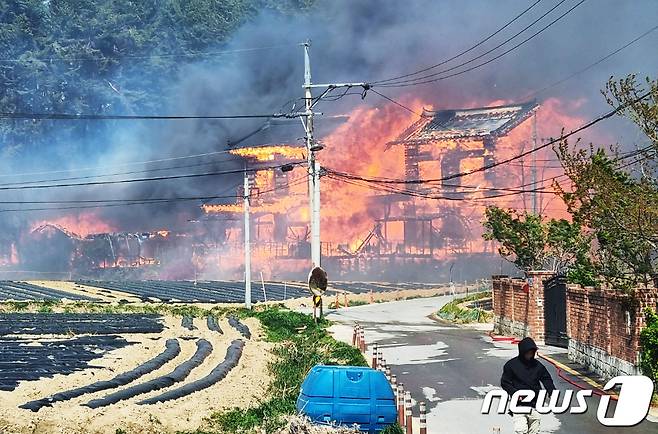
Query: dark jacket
[(522, 374)]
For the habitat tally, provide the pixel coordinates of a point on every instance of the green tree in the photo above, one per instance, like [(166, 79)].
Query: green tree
[(649, 347), (533, 244), (618, 207), (522, 237), (103, 56)]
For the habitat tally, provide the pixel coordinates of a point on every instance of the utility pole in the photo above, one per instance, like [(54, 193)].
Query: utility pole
[(247, 245), (534, 163), (312, 147), (313, 166)]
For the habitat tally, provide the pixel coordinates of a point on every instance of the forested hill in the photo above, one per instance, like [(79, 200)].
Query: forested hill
[(104, 56)]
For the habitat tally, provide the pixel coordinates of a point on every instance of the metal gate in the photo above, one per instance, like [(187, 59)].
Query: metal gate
[(555, 312)]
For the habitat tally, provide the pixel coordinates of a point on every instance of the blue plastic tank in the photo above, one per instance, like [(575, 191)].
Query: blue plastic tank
[(348, 395)]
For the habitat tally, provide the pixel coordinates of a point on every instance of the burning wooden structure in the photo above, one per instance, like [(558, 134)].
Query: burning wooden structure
[(406, 228), (375, 233)]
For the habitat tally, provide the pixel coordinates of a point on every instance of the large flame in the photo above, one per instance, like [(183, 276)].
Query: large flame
[(81, 224), (353, 215), (269, 153)]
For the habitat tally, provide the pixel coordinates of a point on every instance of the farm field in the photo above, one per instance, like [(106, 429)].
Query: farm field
[(72, 373), (156, 356)]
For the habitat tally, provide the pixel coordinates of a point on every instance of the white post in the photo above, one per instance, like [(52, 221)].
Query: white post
[(247, 246), (262, 282), (313, 167), (315, 227)]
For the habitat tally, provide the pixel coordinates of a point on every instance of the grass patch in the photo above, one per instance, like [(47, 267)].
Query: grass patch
[(302, 345), (456, 313)]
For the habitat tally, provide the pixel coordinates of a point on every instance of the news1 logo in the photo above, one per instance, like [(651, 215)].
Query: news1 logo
[(632, 405)]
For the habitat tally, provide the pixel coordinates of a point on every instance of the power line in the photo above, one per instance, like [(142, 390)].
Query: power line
[(463, 52), (144, 201), (71, 116), (382, 185), (133, 180), (590, 66), (414, 82), (132, 172)]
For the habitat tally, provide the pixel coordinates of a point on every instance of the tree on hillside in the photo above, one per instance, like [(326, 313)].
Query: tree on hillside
[(103, 56)]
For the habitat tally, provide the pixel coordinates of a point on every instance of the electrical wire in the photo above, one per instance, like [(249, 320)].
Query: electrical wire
[(592, 65), (468, 50), (71, 116), (428, 79), (158, 178), (379, 184), (132, 172), (144, 201)]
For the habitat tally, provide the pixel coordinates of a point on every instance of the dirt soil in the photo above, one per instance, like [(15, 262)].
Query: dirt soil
[(243, 387)]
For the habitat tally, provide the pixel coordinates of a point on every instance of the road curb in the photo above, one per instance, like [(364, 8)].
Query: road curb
[(653, 410), (575, 373)]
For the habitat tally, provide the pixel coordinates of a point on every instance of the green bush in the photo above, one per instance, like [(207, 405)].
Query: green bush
[(649, 347), (453, 312), (393, 429)]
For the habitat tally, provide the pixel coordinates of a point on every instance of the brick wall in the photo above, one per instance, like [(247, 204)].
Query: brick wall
[(517, 313), (603, 328)]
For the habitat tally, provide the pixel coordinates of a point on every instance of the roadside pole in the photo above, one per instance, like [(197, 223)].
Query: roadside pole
[(247, 245), (312, 146)]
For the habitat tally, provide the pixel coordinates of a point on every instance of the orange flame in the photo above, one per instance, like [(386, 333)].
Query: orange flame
[(81, 224), (269, 153)]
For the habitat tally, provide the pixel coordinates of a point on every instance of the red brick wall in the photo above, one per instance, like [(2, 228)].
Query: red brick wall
[(517, 312), (602, 335), (598, 318)]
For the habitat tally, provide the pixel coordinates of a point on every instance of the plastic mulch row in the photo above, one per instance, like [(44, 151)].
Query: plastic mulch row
[(187, 322), (172, 349), (233, 354), (236, 324), (203, 350), (213, 325)]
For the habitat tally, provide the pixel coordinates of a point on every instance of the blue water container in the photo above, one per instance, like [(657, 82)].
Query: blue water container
[(348, 395)]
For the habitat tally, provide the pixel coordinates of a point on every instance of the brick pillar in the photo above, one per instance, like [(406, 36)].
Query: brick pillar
[(536, 304)]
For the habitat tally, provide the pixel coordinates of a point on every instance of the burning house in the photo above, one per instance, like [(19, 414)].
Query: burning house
[(399, 228), (408, 231)]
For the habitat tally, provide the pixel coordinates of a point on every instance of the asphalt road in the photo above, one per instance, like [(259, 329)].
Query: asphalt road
[(451, 368)]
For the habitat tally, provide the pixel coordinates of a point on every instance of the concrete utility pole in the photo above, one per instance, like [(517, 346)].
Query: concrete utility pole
[(247, 245), (312, 147), (313, 167), (534, 163)]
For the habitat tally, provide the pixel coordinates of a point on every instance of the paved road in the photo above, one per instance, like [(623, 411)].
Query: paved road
[(451, 368)]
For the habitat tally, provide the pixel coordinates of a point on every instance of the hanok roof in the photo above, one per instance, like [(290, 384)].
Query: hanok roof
[(467, 123)]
